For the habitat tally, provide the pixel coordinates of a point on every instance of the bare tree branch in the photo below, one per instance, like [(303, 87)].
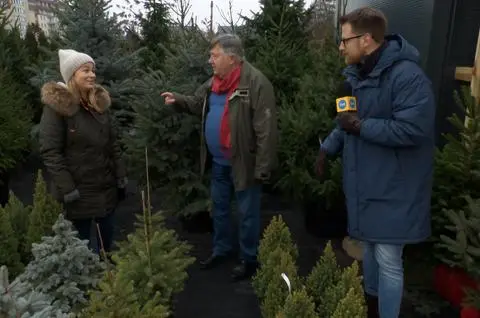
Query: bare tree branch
[(181, 8), (228, 16)]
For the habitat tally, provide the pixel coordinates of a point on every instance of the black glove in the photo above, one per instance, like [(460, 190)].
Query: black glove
[(122, 194), (121, 188), (320, 163), (349, 122), (262, 178)]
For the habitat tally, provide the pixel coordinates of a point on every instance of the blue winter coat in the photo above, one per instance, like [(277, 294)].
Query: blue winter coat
[(387, 170)]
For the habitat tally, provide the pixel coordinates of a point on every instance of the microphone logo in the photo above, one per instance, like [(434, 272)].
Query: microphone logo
[(346, 104)]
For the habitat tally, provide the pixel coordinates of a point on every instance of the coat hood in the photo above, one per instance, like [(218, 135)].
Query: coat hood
[(398, 49), (60, 99)]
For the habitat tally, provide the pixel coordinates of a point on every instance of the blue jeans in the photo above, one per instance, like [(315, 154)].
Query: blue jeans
[(383, 276), (248, 206), (106, 225)]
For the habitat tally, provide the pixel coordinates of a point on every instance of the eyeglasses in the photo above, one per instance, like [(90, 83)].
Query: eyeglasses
[(344, 41)]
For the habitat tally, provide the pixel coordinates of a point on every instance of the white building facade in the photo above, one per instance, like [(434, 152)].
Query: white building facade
[(18, 16), (41, 12)]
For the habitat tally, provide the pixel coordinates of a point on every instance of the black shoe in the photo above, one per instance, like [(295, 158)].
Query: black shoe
[(372, 306), (244, 270), (213, 261)]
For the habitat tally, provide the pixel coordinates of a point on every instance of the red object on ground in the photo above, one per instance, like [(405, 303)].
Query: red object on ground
[(450, 283), (440, 280), (468, 312)]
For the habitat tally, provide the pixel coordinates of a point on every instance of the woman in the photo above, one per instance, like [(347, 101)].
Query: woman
[(79, 147)]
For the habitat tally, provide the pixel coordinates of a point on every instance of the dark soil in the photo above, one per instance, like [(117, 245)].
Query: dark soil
[(211, 293)]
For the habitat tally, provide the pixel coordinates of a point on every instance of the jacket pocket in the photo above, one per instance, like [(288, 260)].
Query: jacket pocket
[(398, 159), (379, 172)]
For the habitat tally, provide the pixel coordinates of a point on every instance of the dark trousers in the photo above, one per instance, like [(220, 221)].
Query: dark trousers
[(248, 207), (106, 225)]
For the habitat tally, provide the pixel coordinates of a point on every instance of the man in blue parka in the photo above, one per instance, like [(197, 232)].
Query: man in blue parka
[(387, 150)]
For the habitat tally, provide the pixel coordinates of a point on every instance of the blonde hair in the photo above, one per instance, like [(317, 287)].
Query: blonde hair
[(90, 95)]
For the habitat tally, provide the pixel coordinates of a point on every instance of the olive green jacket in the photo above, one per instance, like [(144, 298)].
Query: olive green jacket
[(80, 151), (253, 125)]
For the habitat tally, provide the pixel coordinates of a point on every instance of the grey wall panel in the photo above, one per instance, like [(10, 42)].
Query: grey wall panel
[(410, 18), (460, 51), (465, 32)]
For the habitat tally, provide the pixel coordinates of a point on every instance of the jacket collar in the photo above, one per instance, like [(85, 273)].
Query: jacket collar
[(60, 99), (370, 61)]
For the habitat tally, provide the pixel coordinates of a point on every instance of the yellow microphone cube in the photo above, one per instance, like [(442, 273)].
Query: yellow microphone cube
[(346, 104)]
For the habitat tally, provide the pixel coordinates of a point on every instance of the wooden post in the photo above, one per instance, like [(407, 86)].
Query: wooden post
[(211, 18), (475, 83), (471, 74)]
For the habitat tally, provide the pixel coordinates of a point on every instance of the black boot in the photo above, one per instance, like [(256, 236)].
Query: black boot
[(372, 306), (244, 270), (213, 261)]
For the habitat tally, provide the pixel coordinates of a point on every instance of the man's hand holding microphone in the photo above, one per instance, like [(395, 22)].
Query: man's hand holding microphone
[(347, 120), (347, 115)]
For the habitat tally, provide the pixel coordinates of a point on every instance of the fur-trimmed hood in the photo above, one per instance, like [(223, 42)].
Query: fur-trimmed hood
[(59, 98)]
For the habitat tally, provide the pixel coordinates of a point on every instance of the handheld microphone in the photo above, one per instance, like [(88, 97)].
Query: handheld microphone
[(347, 103)]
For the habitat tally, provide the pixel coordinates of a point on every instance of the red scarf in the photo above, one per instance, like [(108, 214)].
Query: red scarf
[(228, 85)]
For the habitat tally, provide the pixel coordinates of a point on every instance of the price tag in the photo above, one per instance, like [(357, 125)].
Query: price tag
[(285, 278)]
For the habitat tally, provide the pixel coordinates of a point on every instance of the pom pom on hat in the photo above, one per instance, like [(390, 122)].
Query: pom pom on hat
[(70, 61)]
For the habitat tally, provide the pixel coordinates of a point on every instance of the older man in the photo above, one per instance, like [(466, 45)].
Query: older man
[(387, 148), (239, 130)]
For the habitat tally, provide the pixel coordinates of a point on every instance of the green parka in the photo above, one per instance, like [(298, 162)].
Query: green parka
[(253, 125), (80, 151)]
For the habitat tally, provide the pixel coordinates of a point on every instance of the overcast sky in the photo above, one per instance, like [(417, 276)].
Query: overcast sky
[(201, 9)]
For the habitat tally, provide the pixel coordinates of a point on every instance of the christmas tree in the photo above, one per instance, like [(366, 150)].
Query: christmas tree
[(117, 298), (15, 120), (35, 40), (276, 291), (299, 304), (351, 306), (276, 241), (464, 245), (457, 165), (349, 279), (9, 255), (16, 300), (44, 213), (19, 214), (277, 234), (276, 40), (14, 55), (150, 269), (472, 299), (63, 267), (324, 275), (302, 123), (154, 259), (151, 29), (174, 167)]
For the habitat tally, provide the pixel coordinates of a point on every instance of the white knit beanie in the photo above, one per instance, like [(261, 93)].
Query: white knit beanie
[(70, 61)]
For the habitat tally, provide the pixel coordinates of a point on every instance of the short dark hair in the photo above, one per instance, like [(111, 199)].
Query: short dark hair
[(367, 20)]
